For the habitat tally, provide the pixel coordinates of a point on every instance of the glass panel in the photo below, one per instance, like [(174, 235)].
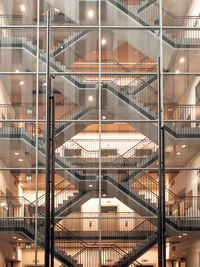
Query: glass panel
[(75, 50), (18, 142), (18, 97), (134, 13), (18, 50), (18, 13), (129, 97), (180, 48), (70, 13), (186, 14)]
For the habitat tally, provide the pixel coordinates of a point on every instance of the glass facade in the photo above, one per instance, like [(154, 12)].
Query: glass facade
[(121, 70)]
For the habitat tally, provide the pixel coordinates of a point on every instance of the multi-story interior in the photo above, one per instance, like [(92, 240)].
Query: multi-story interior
[(106, 79)]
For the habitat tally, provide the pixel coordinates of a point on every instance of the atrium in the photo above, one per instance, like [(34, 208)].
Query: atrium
[(99, 133)]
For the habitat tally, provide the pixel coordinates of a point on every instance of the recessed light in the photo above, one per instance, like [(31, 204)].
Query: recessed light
[(104, 195), (90, 13), (183, 146), (20, 159), (178, 153), (16, 153), (182, 59), (29, 111), (14, 237), (19, 239), (185, 234), (103, 41), (90, 185), (90, 98), (23, 8), (180, 236), (17, 71), (28, 178), (103, 117), (21, 82), (177, 71), (56, 10)]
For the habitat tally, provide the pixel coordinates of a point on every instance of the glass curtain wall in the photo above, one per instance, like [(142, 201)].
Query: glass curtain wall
[(111, 61)]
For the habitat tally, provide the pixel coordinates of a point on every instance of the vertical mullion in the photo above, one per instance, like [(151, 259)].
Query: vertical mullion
[(36, 140), (48, 118), (99, 80)]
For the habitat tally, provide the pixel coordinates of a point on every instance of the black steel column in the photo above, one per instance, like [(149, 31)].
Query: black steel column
[(161, 198), (52, 178), (163, 194), (48, 148), (160, 250)]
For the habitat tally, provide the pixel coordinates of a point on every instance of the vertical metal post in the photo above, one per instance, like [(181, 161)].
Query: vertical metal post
[(163, 195), (160, 230), (100, 177), (48, 157), (161, 198), (52, 178)]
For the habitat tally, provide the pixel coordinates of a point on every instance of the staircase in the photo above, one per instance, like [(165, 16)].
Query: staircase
[(146, 15), (137, 99), (135, 249), (21, 208)]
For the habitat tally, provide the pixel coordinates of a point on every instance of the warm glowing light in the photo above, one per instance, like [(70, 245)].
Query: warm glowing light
[(103, 117), (90, 13), (20, 160), (90, 185), (183, 146), (23, 8), (44, 84), (178, 153), (103, 41), (17, 70), (56, 10), (21, 82), (90, 98), (16, 153), (177, 71), (182, 59)]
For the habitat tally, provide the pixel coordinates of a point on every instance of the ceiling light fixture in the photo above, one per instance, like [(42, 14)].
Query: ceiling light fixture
[(44, 84), (103, 117), (185, 234), (180, 236), (16, 153), (90, 13), (14, 237), (178, 153), (56, 10), (23, 8), (21, 82), (104, 195), (177, 71), (183, 146), (20, 160), (17, 71), (103, 41), (182, 59), (90, 98), (28, 178), (19, 239), (90, 185)]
